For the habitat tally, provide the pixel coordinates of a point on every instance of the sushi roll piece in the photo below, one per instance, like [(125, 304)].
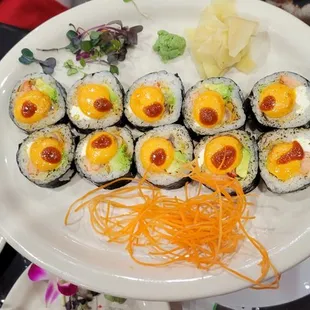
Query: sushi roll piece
[(37, 101), (161, 153), (95, 102), (213, 106), (231, 153), (154, 100), (284, 159), (46, 156), (106, 155), (281, 100)]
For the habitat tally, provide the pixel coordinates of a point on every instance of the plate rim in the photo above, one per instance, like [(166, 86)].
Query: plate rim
[(181, 293)]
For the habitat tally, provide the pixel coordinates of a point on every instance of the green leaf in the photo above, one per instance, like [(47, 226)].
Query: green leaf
[(116, 44), (83, 62), (86, 46), (114, 69), (72, 71), (94, 35), (27, 53), (25, 60), (71, 34), (69, 64), (126, 1), (73, 48)]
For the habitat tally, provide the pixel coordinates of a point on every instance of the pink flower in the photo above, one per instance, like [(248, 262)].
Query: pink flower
[(55, 286)]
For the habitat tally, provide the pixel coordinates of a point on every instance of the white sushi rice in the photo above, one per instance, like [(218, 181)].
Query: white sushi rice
[(265, 145), (247, 142), (172, 82), (103, 175), (181, 141), (300, 115), (84, 122), (44, 178), (237, 101), (57, 111)]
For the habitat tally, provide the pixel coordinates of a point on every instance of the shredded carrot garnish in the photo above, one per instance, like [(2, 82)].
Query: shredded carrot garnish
[(203, 229)]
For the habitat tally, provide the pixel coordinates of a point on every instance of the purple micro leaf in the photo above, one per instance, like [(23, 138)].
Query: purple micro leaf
[(51, 293), (84, 55), (136, 29), (35, 273), (66, 289)]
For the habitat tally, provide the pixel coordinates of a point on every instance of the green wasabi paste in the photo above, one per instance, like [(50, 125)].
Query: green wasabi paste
[(169, 46)]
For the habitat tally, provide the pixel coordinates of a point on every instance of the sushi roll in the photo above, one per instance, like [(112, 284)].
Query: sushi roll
[(231, 153), (281, 100), (154, 100), (95, 102), (46, 156), (106, 155), (213, 106), (284, 159), (161, 154), (37, 101)]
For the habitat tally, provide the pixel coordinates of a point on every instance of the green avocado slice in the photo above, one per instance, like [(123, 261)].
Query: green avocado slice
[(179, 160), (121, 161), (224, 90), (46, 89), (242, 169)]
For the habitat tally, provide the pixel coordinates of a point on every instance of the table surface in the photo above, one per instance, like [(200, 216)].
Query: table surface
[(13, 264)]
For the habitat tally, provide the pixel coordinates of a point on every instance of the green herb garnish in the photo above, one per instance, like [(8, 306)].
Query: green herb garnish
[(48, 65), (103, 44), (73, 69)]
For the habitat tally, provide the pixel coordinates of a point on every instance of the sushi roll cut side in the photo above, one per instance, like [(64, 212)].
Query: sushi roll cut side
[(161, 154), (281, 100), (106, 155), (95, 102), (232, 153), (46, 156), (37, 101), (284, 160), (213, 106), (154, 100)]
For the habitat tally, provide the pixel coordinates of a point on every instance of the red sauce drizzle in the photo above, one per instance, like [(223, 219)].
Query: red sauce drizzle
[(102, 142), (296, 153), (51, 155), (268, 103), (158, 157), (153, 110), (103, 105), (28, 109), (224, 158), (208, 116)]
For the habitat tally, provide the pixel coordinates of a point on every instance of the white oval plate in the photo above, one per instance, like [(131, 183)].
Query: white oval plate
[(31, 218), (27, 295)]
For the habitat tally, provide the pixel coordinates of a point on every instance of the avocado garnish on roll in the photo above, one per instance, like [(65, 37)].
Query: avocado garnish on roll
[(106, 155), (161, 154), (37, 101), (212, 106), (232, 153)]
